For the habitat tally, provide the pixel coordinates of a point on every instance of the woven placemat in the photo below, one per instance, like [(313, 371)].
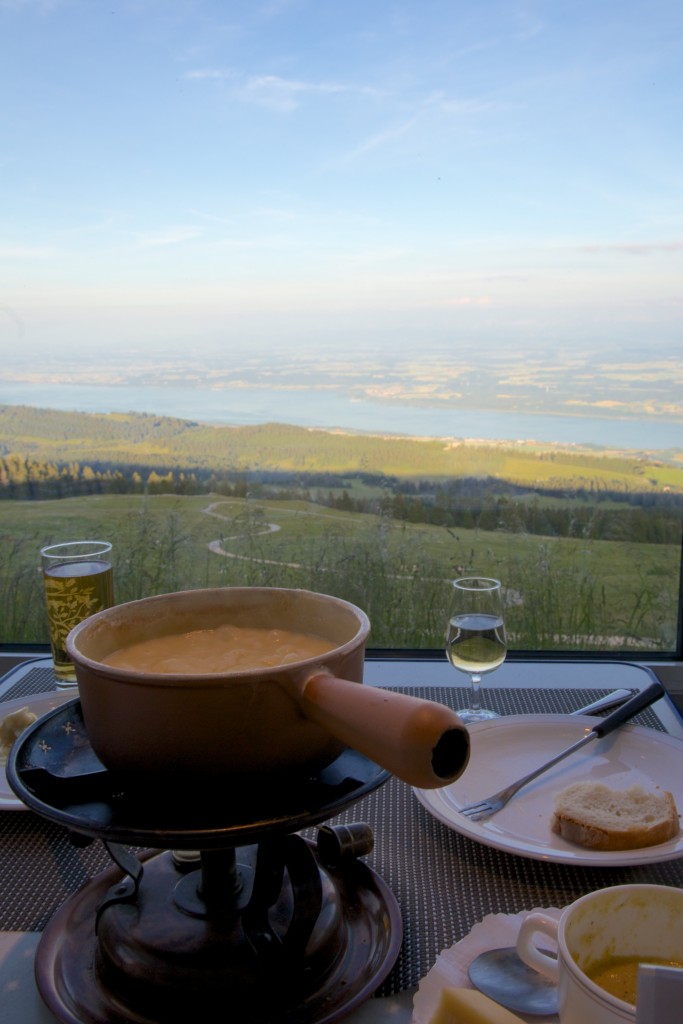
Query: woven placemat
[(40, 679), (444, 882)]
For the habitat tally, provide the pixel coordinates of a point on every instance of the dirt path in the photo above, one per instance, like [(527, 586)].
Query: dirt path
[(216, 546)]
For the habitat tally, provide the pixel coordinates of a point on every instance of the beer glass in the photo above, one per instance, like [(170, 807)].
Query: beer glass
[(78, 582)]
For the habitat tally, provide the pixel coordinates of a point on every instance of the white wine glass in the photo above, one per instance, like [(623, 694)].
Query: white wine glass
[(475, 641)]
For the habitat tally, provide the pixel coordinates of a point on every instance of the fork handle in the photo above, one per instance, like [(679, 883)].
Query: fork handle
[(604, 703), (637, 703), (516, 786)]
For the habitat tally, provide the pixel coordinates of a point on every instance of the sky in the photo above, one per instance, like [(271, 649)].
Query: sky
[(201, 174)]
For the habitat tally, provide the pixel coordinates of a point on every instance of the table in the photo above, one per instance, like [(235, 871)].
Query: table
[(444, 882)]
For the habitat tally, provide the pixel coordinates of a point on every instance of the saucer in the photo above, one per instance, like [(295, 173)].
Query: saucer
[(450, 969)]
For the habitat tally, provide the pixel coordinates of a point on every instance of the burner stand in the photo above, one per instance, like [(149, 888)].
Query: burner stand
[(289, 940), (229, 906)]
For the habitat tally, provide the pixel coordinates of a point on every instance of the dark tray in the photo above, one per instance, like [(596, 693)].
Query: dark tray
[(53, 769)]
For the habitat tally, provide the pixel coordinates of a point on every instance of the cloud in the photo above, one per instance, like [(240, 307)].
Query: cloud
[(15, 319), (468, 300), (215, 74), (378, 141), (430, 117), (275, 8), (467, 107), (27, 252), (634, 248), (213, 218), (169, 236), (275, 92), (20, 5), (275, 213), (284, 93), (527, 25)]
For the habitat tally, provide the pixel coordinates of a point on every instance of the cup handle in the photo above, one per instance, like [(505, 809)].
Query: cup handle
[(530, 953)]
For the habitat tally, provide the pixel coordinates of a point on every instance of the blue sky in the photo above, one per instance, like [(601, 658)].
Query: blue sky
[(208, 173)]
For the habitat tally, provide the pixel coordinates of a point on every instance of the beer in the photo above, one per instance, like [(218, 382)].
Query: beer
[(78, 582)]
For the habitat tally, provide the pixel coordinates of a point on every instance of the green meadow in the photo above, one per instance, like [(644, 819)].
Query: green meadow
[(586, 542), (563, 593)]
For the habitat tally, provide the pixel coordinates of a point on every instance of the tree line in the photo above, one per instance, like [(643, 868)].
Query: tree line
[(184, 445), (484, 503)]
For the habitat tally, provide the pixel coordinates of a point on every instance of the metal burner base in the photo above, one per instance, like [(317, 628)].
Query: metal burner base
[(83, 978)]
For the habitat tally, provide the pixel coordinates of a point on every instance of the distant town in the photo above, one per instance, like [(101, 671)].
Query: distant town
[(648, 385)]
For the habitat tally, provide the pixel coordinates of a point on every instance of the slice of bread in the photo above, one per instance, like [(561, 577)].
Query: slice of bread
[(594, 815)]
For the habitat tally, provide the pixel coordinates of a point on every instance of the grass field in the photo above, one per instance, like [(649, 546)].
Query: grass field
[(562, 594)]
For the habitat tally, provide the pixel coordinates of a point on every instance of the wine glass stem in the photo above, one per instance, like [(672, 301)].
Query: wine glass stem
[(475, 680)]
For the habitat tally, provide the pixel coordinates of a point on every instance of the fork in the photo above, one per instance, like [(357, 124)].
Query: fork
[(492, 804)]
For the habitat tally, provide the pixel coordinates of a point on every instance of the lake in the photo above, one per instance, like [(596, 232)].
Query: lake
[(330, 409)]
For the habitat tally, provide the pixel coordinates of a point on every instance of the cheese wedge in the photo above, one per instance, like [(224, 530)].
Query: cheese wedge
[(469, 1006), (11, 727)]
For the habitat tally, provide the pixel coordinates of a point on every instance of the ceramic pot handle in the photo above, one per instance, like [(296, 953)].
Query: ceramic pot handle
[(421, 742), (529, 952)]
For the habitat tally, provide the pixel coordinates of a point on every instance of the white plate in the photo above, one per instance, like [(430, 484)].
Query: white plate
[(450, 968), (508, 748), (39, 704)]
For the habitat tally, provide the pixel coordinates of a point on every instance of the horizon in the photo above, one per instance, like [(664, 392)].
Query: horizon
[(294, 175)]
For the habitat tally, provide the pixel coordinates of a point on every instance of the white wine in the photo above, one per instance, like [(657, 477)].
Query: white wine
[(476, 642), (475, 639)]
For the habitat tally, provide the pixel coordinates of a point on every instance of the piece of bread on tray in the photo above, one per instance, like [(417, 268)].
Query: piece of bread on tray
[(594, 815)]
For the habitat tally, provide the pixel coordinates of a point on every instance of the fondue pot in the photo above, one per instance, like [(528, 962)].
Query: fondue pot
[(271, 722)]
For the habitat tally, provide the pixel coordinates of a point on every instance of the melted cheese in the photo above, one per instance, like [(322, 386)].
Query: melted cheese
[(226, 648), (469, 1006)]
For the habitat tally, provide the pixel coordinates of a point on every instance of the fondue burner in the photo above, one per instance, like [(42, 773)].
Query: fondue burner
[(227, 905)]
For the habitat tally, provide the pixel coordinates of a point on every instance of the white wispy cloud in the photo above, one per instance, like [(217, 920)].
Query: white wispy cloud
[(285, 93), (429, 117), (27, 252), (379, 140), (467, 107), (275, 213), (21, 5), (166, 237), (276, 8), (634, 248), (274, 91), (212, 74), (215, 219)]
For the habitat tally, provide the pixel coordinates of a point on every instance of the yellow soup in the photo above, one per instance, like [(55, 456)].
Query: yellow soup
[(618, 975)]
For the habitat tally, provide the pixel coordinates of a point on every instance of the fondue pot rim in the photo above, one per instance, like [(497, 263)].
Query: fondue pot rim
[(151, 678)]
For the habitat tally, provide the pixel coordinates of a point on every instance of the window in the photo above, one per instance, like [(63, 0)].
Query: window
[(355, 297)]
